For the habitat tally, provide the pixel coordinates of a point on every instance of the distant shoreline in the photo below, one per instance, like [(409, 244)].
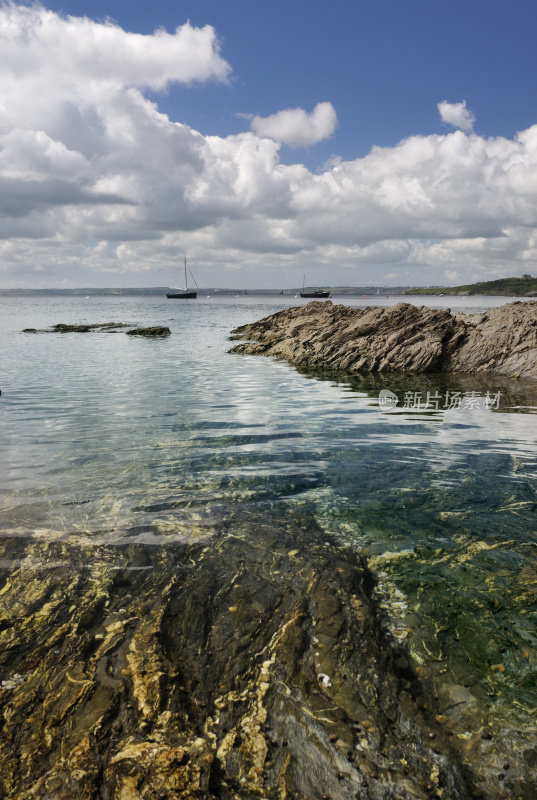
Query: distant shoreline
[(502, 288), (357, 291)]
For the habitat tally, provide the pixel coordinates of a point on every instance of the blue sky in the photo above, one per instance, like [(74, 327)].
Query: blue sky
[(383, 64), (383, 142)]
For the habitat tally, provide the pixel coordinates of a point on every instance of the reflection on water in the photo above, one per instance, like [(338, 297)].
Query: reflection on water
[(107, 439)]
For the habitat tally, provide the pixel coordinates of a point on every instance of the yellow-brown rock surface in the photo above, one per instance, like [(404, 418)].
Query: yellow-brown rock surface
[(240, 667)]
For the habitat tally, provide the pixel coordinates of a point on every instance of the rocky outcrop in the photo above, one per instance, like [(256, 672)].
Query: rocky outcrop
[(404, 337)]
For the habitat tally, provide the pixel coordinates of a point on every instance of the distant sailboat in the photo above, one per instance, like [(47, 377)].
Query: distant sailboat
[(186, 293), (316, 293)]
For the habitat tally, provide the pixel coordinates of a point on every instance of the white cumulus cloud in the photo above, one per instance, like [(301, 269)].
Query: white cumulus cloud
[(457, 114), (296, 127), (35, 38)]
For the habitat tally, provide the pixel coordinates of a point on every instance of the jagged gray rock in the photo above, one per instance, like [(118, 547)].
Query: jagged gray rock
[(404, 337)]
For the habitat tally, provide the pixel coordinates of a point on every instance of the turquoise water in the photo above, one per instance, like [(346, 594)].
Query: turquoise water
[(107, 438)]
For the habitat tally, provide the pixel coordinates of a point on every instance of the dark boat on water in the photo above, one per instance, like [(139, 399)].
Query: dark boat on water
[(315, 293), (183, 294)]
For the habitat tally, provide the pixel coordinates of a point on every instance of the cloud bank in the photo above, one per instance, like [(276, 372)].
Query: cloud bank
[(99, 187)]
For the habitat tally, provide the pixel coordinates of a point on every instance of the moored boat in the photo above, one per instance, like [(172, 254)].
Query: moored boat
[(318, 293), (183, 294), (314, 293)]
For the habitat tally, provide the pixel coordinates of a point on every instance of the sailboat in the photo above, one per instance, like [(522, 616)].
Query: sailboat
[(186, 293), (318, 293)]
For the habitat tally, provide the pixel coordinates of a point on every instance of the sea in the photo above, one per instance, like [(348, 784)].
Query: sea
[(105, 436)]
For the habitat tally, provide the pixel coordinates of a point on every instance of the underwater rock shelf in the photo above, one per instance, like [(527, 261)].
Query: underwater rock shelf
[(404, 337), (236, 667)]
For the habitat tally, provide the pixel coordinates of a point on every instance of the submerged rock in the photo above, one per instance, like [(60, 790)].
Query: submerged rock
[(157, 330), (404, 337), (243, 666), (62, 327), (233, 670)]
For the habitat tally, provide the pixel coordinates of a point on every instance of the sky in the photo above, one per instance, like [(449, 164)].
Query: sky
[(353, 142)]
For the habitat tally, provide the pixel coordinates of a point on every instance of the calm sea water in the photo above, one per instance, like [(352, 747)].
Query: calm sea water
[(106, 437)]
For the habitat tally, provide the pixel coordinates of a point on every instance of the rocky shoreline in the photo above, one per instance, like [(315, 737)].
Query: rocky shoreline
[(401, 338)]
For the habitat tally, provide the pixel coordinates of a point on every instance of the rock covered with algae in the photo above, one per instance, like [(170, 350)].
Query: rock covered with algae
[(238, 667), (404, 337)]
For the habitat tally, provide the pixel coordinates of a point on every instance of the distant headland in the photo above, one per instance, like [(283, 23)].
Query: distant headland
[(524, 286)]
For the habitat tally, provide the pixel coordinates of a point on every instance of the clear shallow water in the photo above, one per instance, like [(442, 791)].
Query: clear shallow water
[(107, 438)]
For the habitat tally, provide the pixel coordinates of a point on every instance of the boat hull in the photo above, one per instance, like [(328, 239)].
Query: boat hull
[(316, 295), (178, 295)]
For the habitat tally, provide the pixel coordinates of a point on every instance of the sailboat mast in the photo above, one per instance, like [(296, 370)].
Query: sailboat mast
[(186, 282)]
